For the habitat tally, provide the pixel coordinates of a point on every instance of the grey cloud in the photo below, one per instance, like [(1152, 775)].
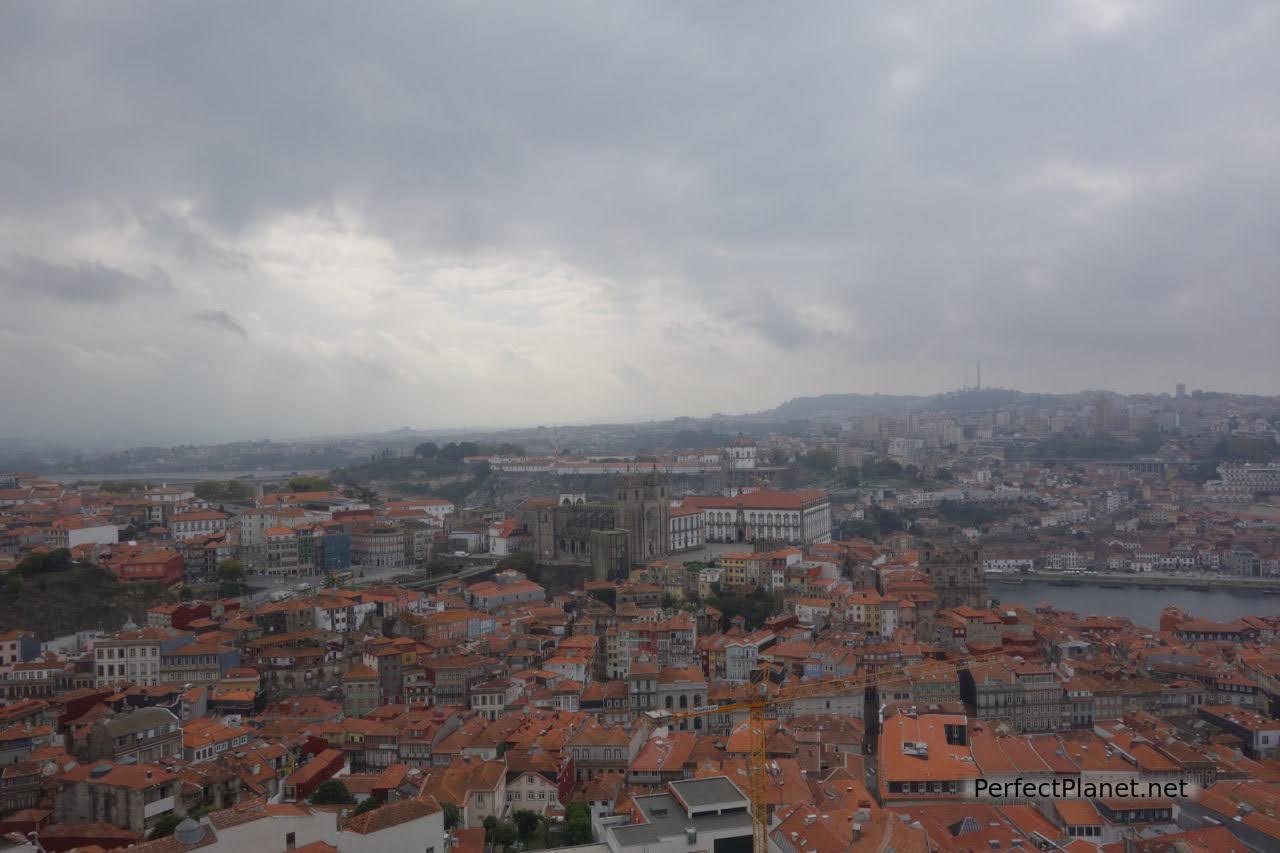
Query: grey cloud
[(1016, 183), (78, 281), (220, 320)]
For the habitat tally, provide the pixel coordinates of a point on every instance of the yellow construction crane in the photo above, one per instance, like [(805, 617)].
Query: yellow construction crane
[(756, 707)]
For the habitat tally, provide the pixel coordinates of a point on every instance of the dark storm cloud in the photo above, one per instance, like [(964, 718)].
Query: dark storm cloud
[(78, 282), (220, 320), (1069, 191)]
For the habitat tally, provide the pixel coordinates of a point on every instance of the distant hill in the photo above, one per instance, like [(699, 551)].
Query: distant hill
[(971, 400), (841, 406), (856, 405)]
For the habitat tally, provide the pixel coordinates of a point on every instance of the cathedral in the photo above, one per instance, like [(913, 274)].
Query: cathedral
[(955, 570), (634, 514), (642, 509)]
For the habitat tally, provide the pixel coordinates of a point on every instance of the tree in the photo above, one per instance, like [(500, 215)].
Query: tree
[(427, 450), (223, 490), (887, 520), (231, 570), (881, 468), (577, 825), (504, 833), (526, 822), (57, 560), (521, 561), (231, 577), (858, 529), (490, 824), (818, 461), (331, 793), (165, 825), (310, 484), (367, 805), (606, 595), (452, 815)]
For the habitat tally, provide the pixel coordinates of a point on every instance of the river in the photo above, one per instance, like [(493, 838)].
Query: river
[(1143, 606)]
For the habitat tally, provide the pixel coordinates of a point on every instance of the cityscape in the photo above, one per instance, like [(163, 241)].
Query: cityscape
[(845, 630), (613, 427)]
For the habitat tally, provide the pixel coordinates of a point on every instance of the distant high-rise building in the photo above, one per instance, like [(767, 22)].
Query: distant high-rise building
[(1101, 416), (1182, 390)]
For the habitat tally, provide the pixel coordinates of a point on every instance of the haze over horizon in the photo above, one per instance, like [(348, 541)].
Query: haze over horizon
[(228, 220)]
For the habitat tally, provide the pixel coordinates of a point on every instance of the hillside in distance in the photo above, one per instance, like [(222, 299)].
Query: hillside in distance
[(839, 406)]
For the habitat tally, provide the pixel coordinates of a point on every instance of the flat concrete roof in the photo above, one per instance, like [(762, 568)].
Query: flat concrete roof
[(667, 819), (712, 791)]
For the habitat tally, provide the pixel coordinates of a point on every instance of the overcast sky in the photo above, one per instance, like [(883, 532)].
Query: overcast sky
[(278, 219)]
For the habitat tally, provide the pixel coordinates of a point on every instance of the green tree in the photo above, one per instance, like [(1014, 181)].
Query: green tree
[(427, 450), (122, 486), (1244, 448), (577, 825), (55, 561), (521, 561), (438, 565), (310, 484), (527, 823), (220, 490), (887, 520), (504, 833), (367, 805), (884, 468), (165, 825), (818, 461), (331, 793), (606, 595), (452, 815), (490, 824), (966, 515), (231, 578), (858, 529), (231, 570)]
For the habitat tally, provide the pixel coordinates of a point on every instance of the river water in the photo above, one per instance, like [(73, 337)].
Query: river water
[(1143, 606)]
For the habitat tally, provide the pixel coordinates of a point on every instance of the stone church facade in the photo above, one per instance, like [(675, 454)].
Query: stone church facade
[(955, 570), (638, 504)]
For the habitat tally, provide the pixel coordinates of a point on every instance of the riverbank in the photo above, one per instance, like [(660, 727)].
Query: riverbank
[(1109, 580)]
